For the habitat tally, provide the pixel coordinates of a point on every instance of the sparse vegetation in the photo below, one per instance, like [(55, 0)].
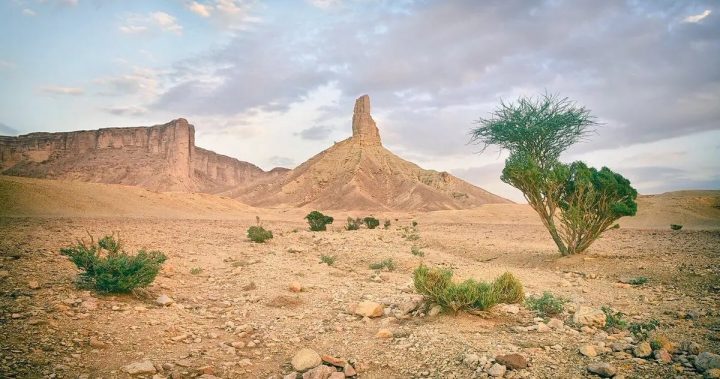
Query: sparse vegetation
[(107, 268), (387, 264), (353, 223), (198, 270), (259, 234), (546, 305), (508, 289), (676, 226), (638, 281), (436, 284), (642, 330), (386, 224), (416, 251), (327, 259), (613, 319), (318, 221), (576, 203), (414, 224), (371, 222)]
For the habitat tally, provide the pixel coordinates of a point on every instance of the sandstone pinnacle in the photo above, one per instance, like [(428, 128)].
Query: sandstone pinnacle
[(363, 126)]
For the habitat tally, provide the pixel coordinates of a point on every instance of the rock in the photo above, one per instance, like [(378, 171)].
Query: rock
[(384, 333), (337, 362), (138, 368), (95, 343), (555, 323), (713, 373), (706, 361), (349, 370), (295, 287), (588, 351), (305, 359), (33, 284), (319, 372), (588, 316), (292, 375), (512, 309), (620, 346), (207, 376), (497, 370), (542, 328), (369, 309), (691, 347), (164, 300), (602, 369), (512, 361), (662, 356), (336, 375), (435, 310), (471, 360), (642, 350)]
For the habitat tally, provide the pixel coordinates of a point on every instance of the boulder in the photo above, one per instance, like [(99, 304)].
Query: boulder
[(140, 368), (512, 361), (602, 369), (369, 309), (588, 316), (305, 359)]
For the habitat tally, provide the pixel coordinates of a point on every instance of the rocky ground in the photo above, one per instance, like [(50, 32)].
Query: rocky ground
[(236, 309)]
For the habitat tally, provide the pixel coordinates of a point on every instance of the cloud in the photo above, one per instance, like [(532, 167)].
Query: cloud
[(279, 161), (6, 65), (141, 81), (315, 133), (7, 130), (200, 9), (126, 110), (28, 12), (228, 14), (137, 23), (324, 4), (698, 17), (60, 90)]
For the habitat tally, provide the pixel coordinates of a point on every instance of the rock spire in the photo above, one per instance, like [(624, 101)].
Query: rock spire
[(363, 126)]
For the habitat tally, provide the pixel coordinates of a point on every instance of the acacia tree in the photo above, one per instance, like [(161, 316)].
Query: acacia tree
[(576, 203)]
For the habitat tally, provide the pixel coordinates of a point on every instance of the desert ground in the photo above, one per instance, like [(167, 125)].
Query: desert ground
[(235, 315)]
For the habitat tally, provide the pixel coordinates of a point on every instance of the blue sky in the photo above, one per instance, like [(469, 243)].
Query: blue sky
[(273, 83)]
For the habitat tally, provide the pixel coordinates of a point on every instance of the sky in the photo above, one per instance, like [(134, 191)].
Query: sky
[(274, 82)]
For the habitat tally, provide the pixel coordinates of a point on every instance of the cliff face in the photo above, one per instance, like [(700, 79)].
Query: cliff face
[(160, 157)]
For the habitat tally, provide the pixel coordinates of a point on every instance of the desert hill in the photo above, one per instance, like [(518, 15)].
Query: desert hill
[(359, 173), (160, 158)]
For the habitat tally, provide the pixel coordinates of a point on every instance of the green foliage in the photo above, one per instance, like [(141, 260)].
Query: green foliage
[(388, 264), (638, 281), (198, 270), (259, 234), (106, 268), (576, 203), (327, 259), (641, 330), (353, 223), (371, 222), (386, 224), (546, 305), (436, 284), (675, 226), (613, 319), (416, 251), (414, 224), (318, 221)]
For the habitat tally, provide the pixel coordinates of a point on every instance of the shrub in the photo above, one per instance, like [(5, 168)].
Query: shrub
[(388, 264), (641, 330), (198, 270), (416, 251), (386, 224), (318, 221), (675, 226), (613, 319), (259, 234), (546, 305), (371, 222), (508, 289), (107, 268), (638, 281), (436, 284), (353, 223), (327, 259), (414, 224)]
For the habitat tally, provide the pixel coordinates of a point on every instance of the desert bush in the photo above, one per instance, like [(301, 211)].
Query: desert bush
[(371, 222), (318, 221), (638, 281), (107, 268), (353, 223), (508, 289), (198, 270), (546, 305), (661, 341), (642, 330), (613, 319), (327, 259), (388, 264), (386, 224), (436, 284), (675, 226), (259, 234), (414, 224), (416, 251), (576, 203)]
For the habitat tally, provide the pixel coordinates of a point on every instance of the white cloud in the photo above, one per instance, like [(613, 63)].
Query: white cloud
[(28, 12), (131, 110), (141, 81), (60, 90), (6, 65), (324, 4), (698, 17), (200, 9), (136, 23)]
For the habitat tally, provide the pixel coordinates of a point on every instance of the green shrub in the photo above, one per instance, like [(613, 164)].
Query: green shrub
[(613, 319), (259, 234), (546, 305), (638, 281), (353, 223), (641, 330), (414, 224), (675, 226), (327, 259), (106, 268), (416, 251), (318, 221), (386, 224), (436, 284), (198, 270), (371, 222), (388, 264)]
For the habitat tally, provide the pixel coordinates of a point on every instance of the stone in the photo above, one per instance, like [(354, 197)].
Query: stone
[(512, 309), (369, 309), (305, 359), (602, 369), (349, 370), (542, 328), (164, 300), (319, 372), (95, 343), (691, 347), (471, 360), (337, 362), (295, 287), (497, 370), (706, 361), (620, 346), (384, 333), (337, 375), (662, 356), (292, 375), (554, 323), (512, 361), (33, 284), (588, 351), (588, 316), (435, 310), (713, 373), (139, 368), (642, 350), (363, 126)]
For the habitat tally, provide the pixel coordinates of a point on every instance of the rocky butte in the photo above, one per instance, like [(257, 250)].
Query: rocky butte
[(359, 173)]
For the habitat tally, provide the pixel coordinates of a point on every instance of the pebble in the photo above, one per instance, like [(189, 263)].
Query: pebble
[(497, 370), (305, 359), (602, 369), (138, 368), (588, 351), (369, 309), (164, 300)]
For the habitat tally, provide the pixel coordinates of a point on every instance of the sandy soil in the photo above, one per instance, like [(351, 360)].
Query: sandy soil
[(227, 289)]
